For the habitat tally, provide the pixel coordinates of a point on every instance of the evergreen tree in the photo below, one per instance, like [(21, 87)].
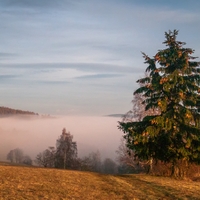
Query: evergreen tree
[(172, 136)]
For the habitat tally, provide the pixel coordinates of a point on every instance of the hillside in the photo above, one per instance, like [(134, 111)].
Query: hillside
[(10, 111), (40, 183)]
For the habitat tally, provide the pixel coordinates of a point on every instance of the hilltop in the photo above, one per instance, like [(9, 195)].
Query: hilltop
[(19, 182), (10, 111)]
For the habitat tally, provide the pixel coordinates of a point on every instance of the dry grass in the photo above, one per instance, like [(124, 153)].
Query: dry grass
[(18, 182)]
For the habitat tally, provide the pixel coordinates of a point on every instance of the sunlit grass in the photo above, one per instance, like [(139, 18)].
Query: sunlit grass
[(17, 182)]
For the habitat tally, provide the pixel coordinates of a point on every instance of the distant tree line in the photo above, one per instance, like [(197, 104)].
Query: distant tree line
[(10, 111), (65, 156), (17, 156), (93, 162)]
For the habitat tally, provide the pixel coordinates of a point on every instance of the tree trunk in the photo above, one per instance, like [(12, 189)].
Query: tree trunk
[(175, 170), (179, 169), (150, 167), (64, 160)]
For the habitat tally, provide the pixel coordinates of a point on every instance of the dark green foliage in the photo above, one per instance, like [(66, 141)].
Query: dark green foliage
[(173, 87)]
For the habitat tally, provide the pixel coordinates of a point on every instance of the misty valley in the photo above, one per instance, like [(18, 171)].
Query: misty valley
[(33, 139), (82, 72)]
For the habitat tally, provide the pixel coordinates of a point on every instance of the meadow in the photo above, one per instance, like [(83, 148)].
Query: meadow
[(22, 182)]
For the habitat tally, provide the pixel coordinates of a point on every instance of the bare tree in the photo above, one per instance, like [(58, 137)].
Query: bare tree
[(11, 156), (27, 160), (136, 114), (92, 162), (66, 151), (125, 156), (126, 159), (46, 158), (138, 111), (109, 166), (15, 155)]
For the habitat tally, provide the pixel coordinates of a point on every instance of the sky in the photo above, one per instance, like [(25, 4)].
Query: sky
[(83, 57)]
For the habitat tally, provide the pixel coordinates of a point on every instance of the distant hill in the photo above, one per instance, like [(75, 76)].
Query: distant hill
[(115, 115), (10, 111)]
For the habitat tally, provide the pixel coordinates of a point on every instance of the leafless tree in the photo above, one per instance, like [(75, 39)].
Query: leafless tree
[(46, 158), (66, 151), (92, 162), (138, 111), (15, 155), (27, 160), (109, 166), (136, 114)]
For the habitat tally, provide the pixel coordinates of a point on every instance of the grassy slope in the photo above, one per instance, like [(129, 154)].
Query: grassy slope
[(17, 182)]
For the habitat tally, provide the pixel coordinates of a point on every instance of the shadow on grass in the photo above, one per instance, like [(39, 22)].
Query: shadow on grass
[(156, 191)]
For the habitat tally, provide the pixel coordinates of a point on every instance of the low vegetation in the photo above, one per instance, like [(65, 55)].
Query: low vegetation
[(20, 182)]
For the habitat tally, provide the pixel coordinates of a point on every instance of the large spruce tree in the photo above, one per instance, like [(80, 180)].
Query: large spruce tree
[(173, 136)]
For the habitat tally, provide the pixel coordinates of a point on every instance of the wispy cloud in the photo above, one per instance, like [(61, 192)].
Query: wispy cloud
[(36, 4), (75, 52), (85, 67), (7, 56), (53, 82), (99, 76), (3, 77)]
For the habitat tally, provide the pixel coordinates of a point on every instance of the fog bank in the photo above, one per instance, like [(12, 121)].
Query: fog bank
[(35, 134)]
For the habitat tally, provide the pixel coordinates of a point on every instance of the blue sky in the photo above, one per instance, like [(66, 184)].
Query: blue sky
[(83, 57)]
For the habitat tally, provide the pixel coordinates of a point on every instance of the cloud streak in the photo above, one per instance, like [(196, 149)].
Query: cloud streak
[(99, 76)]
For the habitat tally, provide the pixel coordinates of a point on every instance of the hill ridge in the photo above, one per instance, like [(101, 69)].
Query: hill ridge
[(11, 111)]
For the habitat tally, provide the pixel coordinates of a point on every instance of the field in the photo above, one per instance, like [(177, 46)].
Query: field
[(20, 182)]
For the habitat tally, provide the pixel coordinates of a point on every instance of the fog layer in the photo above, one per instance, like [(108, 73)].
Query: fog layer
[(35, 134)]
